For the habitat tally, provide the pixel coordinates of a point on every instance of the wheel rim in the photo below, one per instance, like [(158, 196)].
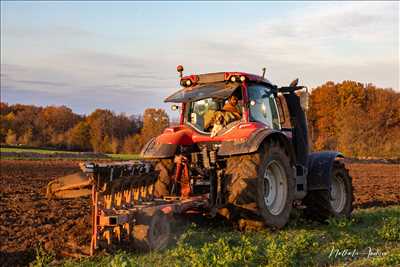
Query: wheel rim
[(275, 187), (338, 194)]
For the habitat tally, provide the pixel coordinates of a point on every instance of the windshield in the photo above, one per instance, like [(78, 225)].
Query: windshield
[(202, 111), (215, 113)]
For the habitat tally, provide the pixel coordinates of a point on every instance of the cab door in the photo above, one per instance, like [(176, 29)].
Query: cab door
[(262, 106)]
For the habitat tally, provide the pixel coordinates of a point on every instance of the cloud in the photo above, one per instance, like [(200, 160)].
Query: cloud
[(12, 68), (52, 31), (317, 42), (36, 82), (92, 68), (337, 37), (53, 78), (332, 21), (85, 91), (153, 76), (38, 78), (87, 100), (105, 59)]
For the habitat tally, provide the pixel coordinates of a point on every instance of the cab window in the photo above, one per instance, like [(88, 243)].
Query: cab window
[(201, 111), (262, 106)]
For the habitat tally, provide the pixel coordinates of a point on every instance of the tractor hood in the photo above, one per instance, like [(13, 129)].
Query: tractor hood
[(201, 91)]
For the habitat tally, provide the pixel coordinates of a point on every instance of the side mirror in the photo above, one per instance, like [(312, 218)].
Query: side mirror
[(174, 107)]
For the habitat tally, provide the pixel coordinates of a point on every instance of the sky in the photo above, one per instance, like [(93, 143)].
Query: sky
[(122, 56)]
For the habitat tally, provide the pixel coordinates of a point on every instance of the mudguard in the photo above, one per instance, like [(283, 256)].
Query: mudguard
[(152, 150), (252, 144), (320, 168)]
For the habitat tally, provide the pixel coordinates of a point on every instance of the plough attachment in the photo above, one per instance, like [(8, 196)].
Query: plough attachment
[(70, 186), (125, 212)]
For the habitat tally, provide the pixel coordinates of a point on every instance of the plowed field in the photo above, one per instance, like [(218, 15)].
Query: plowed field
[(28, 219), (375, 184)]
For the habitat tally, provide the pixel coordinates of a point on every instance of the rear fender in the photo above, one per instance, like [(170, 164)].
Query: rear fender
[(253, 143), (165, 145), (320, 169)]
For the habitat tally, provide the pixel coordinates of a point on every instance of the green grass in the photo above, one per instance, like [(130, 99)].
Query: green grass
[(124, 156), (301, 243), (33, 150), (51, 152)]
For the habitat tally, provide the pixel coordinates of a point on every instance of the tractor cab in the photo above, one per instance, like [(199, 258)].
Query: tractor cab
[(214, 102)]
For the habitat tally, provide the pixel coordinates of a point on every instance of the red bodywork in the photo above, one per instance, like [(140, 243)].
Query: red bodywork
[(187, 135)]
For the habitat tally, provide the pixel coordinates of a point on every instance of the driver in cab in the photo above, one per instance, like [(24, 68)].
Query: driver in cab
[(231, 106), (229, 113)]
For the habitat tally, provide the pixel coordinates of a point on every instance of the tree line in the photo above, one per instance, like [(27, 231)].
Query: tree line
[(360, 120), (58, 127), (357, 119)]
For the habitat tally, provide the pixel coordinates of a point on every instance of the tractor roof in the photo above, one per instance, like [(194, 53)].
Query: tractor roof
[(215, 85)]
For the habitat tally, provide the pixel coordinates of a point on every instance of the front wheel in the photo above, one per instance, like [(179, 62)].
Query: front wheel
[(164, 167), (152, 230)]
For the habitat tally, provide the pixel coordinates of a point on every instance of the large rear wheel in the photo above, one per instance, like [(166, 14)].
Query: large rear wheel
[(275, 186), (262, 183)]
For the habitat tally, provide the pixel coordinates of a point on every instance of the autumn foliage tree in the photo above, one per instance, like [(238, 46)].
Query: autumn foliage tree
[(59, 127), (57, 121), (100, 122), (11, 137), (79, 136), (132, 144), (154, 123), (359, 120)]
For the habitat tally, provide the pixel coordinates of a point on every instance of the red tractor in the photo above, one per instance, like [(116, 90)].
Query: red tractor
[(240, 150)]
